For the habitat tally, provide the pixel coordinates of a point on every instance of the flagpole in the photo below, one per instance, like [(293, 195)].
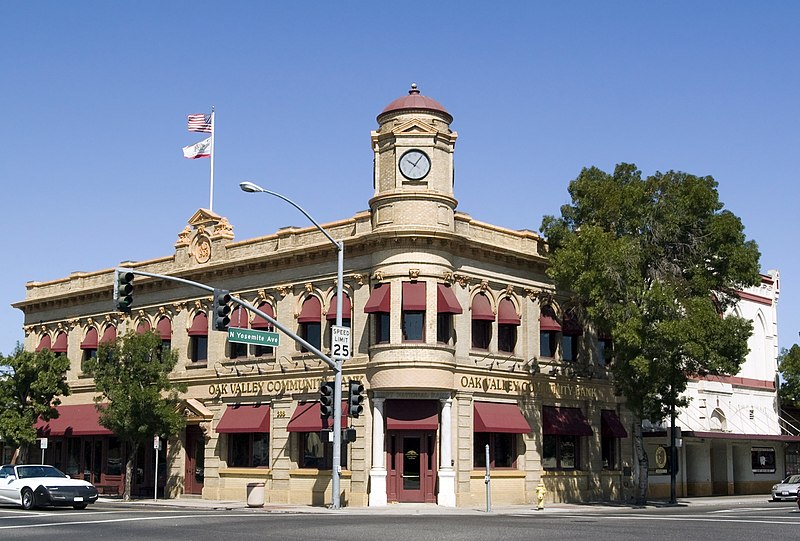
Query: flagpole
[(213, 129)]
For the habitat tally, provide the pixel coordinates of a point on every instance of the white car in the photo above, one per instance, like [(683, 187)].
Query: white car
[(33, 485), (786, 489)]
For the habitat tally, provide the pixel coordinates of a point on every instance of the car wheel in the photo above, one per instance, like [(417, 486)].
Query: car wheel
[(79, 506), (28, 499)]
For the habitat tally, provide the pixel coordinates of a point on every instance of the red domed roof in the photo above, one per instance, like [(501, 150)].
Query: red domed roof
[(415, 100)]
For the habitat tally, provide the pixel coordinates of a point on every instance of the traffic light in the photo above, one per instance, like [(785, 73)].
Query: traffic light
[(356, 399), (326, 401), (123, 290), (222, 309)]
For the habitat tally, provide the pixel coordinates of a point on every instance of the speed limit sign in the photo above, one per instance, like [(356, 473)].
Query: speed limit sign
[(340, 342)]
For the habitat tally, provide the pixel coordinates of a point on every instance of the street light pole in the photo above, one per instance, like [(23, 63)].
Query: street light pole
[(337, 381)]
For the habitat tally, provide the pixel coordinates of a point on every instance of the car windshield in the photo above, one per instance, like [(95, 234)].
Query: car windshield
[(792, 479), (26, 472)]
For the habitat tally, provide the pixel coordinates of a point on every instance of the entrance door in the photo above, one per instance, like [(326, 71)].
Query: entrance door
[(195, 460), (411, 467)]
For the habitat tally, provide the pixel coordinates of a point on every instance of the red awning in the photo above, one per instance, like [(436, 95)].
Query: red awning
[(78, 420), (347, 308), (90, 341), (164, 328), (311, 311), (199, 325), (610, 425), (239, 318), (44, 343), (446, 302), (143, 327), (493, 417), (306, 418), (380, 300), (482, 308), (109, 335), (261, 323), (245, 418), (564, 422), (414, 296), (61, 343), (548, 322), (412, 415), (507, 313)]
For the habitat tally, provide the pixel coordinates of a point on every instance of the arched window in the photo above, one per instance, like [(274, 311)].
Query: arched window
[(379, 304), (60, 345), (89, 346), (164, 330), (482, 319), (44, 343), (239, 320), (549, 327), (198, 338), (507, 323), (264, 325), (310, 320)]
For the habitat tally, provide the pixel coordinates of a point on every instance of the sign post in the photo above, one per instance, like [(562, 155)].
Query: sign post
[(43, 446), (156, 448)]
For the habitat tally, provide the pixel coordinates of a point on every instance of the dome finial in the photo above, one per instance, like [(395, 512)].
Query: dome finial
[(414, 89)]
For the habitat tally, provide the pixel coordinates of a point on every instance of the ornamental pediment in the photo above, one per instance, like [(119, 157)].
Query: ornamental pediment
[(414, 127)]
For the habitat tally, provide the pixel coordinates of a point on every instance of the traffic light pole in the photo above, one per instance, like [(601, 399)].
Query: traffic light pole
[(337, 362)]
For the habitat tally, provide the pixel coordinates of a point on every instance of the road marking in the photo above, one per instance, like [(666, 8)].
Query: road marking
[(679, 518), (740, 509), (131, 519)]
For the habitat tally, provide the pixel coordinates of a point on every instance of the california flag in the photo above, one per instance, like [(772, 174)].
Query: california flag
[(198, 150)]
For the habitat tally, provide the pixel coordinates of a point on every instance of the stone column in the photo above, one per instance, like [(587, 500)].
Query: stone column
[(377, 473), (447, 476)]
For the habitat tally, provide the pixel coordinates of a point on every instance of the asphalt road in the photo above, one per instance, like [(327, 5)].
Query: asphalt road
[(117, 521)]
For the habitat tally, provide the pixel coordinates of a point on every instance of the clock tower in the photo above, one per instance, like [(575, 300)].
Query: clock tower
[(413, 171)]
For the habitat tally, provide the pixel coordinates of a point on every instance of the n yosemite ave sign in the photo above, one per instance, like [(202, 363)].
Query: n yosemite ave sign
[(252, 336)]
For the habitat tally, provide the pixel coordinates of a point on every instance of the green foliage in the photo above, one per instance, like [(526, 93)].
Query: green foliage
[(789, 367), (28, 390), (655, 261), (136, 398)]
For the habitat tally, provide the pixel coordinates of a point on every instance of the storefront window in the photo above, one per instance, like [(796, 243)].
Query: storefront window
[(560, 452), (248, 450), (314, 453), (502, 450)]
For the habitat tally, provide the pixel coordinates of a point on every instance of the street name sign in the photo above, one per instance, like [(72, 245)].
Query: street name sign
[(254, 337)]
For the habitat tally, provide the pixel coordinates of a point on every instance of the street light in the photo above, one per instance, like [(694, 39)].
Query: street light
[(250, 187)]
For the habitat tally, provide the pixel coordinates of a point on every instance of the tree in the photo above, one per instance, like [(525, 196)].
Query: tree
[(137, 400), (29, 388), (789, 367), (655, 262)]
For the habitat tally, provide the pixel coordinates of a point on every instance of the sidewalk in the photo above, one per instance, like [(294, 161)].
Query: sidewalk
[(433, 509)]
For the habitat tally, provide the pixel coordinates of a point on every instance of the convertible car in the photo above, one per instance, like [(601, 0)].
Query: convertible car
[(37, 485)]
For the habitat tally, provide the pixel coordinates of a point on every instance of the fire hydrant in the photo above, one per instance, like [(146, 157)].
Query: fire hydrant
[(540, 492)]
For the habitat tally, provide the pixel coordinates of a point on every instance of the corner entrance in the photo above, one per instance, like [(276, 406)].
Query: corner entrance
[(411, 476)]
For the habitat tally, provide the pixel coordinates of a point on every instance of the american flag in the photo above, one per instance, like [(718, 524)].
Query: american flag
[(200, 122)]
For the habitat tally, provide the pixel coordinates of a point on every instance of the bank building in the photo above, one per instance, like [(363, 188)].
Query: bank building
[(458, 337)]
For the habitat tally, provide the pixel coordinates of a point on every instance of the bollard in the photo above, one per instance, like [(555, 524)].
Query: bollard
[(540, 492)]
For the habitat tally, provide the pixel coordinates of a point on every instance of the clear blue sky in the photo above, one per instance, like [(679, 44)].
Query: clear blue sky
[(95, 97)]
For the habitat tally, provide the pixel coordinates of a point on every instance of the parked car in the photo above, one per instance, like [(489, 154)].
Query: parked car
[(786, 489), (32, 485)]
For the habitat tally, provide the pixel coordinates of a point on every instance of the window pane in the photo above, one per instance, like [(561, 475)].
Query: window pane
[(311, 333), (199, 348), (549, 450), (568, 450), (381, 327), (413, 326), (506, 337), (504, 450), (609, 446), (567, 348), (260, 450), (313, 450), (443, 326), (480, 440), (238, 450), (547, 344), (481, 333)]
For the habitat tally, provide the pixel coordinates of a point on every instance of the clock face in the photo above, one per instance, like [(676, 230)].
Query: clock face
[(415, 165)]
